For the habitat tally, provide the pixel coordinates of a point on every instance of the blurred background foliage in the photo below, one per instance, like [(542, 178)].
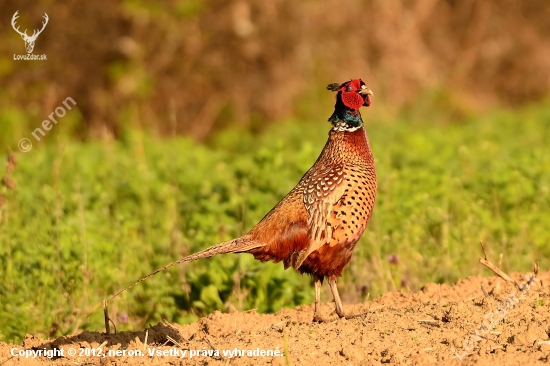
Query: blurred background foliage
[(194, 118), (195, 66)]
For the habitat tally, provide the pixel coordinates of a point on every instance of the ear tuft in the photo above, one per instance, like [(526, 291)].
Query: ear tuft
[(333, 87)]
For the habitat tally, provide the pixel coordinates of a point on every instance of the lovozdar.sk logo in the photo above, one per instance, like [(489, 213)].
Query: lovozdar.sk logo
[(29, 40)]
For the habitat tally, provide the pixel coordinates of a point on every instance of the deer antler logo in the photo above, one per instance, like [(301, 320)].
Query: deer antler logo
[(29, 41)]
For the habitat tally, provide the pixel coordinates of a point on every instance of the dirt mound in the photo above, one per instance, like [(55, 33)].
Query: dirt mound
[(477, 321)]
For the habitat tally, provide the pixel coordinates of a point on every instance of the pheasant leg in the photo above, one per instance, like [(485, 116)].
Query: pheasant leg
[(338, 303), (317, 315)]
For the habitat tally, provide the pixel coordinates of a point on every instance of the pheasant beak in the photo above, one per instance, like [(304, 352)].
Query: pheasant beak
[(367, 94), (365, 91)]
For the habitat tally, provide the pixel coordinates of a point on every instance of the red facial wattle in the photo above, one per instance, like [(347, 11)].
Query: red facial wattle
[(352, 99), (368, 101), (351, 95)]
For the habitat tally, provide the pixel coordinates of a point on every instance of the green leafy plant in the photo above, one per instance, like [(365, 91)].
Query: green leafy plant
[(87, 219)]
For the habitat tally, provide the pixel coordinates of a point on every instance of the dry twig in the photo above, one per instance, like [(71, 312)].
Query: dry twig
[(485, 261), (106, 316)]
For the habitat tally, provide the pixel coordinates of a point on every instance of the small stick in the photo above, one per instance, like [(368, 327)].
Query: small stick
[(364, 321), (174, 341), (146, 336), (106, 316), (114, 325), (485, 261), (376, 308), (483, 248), (429, 322), (485, 294), (210, 343), (499, 272), (536, 271)]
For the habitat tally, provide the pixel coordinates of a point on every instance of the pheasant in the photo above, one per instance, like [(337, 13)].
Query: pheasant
[(315, 227)]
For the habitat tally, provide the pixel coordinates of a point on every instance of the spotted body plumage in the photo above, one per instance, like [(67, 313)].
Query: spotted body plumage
[(316, 226), (338, 195), (327, 212)]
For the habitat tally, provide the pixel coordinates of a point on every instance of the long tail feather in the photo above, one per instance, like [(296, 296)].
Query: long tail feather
[(238, 245)]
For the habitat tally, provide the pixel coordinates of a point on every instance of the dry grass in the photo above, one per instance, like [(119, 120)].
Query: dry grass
[(195, 66)]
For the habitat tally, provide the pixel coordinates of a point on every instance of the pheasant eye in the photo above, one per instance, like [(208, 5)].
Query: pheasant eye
[(349, 88)]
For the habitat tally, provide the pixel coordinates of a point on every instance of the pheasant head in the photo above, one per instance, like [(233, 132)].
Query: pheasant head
[(351, 96)]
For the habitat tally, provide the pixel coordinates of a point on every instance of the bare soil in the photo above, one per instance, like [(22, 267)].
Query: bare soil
[(401, 328)]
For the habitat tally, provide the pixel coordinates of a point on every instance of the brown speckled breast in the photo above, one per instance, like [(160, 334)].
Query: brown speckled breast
[(316, 226), (354, 181)]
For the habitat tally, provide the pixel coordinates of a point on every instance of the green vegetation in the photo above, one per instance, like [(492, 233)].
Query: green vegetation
[(85, 220)]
